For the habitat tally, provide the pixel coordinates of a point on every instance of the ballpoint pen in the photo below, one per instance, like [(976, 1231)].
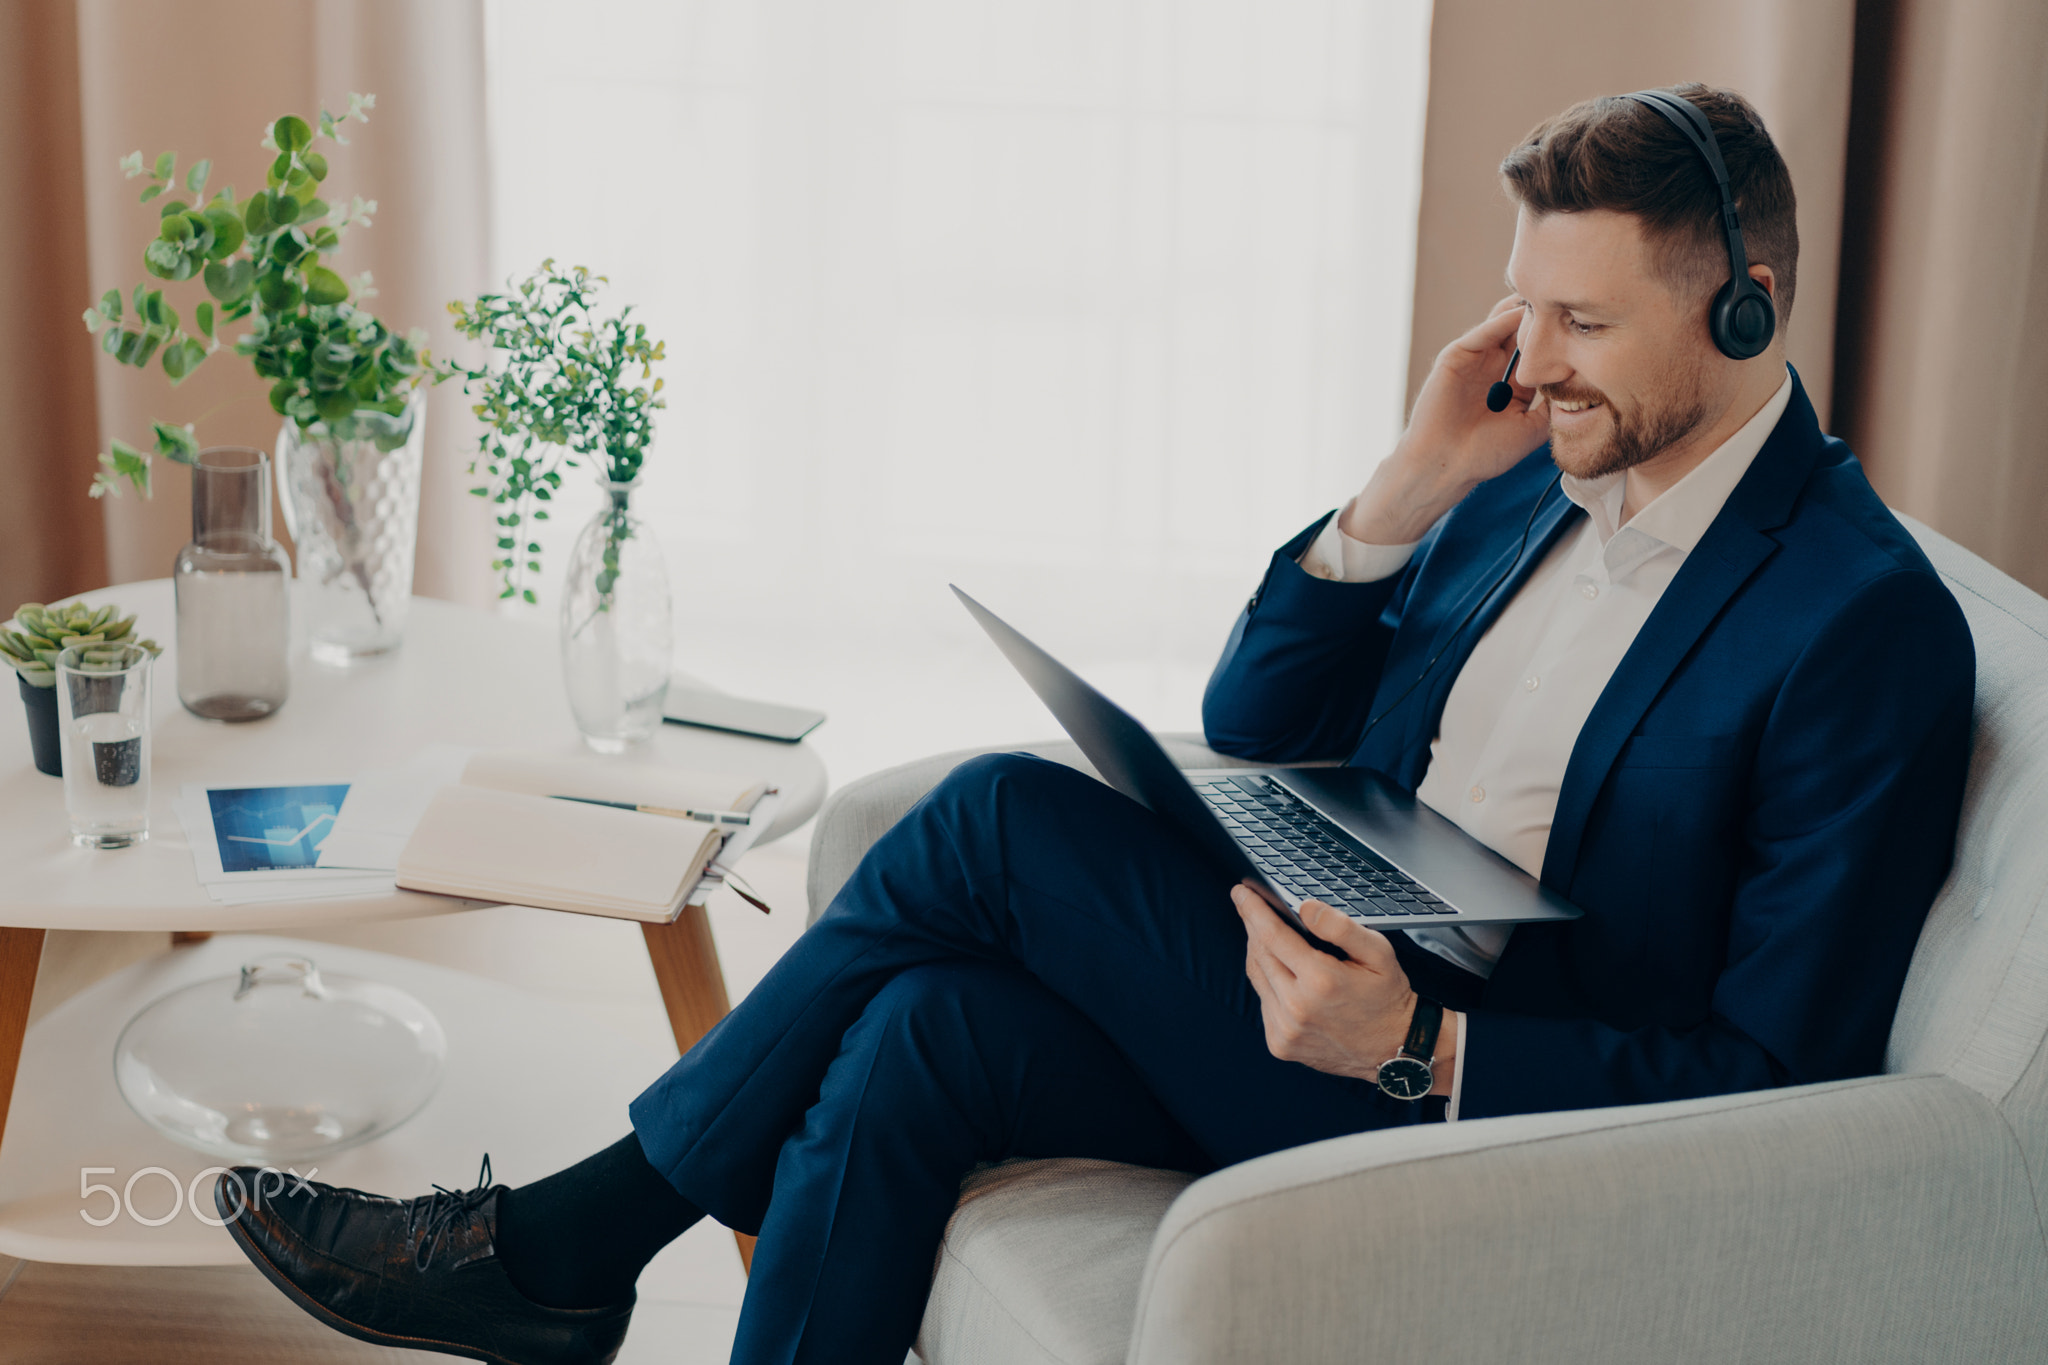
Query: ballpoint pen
[(709, 817)]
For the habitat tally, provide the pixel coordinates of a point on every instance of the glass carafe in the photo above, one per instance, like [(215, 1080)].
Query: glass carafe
[(234, 592)]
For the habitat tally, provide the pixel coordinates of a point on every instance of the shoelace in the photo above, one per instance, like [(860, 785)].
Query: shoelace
[(440, 1211)]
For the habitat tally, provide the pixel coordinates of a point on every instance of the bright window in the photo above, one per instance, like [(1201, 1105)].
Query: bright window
[(1084, 305)]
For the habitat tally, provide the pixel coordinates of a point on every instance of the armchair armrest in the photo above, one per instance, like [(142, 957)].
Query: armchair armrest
[(1883, 1219)]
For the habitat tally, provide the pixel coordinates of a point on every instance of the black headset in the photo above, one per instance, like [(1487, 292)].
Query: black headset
[(1742, 318)]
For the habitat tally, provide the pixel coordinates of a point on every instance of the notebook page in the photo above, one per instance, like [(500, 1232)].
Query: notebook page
[(561, 855)]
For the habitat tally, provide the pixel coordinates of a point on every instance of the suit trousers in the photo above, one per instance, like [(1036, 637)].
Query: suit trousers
[(1028, 964)]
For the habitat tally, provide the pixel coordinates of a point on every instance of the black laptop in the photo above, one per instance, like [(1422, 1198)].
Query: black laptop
[(1344, 836)]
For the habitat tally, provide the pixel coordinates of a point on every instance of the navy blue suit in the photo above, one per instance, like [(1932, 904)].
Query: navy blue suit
[(1756, 818), (1758, 811)]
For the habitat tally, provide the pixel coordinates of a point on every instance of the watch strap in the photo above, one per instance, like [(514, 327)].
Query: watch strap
[(1422, 1029)]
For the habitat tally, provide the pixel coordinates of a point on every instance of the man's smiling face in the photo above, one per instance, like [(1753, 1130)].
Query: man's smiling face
[(1624, 362)]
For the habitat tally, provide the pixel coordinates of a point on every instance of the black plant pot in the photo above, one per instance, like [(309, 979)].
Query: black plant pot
[(42, 726)]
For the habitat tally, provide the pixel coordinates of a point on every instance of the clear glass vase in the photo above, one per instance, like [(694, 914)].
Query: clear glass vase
[(233, 590), (617, 635), (354, 514), (280, 1063)]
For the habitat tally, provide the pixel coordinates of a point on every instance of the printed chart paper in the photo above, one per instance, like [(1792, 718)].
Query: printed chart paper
[(263, 843)]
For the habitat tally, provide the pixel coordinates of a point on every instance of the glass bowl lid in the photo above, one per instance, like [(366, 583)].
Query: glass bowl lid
[(280, 1063)]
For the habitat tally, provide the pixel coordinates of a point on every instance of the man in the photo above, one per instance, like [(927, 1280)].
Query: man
[(1680, 662)]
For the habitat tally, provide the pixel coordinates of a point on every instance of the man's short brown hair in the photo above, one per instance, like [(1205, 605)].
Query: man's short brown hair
[(1614, 153)]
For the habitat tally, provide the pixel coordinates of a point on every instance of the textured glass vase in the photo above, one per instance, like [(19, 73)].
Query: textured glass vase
[(616, 631), (354, 514), (233, 589)]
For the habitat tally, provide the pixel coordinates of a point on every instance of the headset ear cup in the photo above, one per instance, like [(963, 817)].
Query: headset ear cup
[(1742, 320)]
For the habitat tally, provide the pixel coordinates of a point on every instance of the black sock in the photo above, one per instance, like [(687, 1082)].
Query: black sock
[(581, 1237)]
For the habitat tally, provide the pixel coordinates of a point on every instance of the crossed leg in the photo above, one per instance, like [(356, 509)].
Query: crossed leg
[(951, 1064), (1027, 964)]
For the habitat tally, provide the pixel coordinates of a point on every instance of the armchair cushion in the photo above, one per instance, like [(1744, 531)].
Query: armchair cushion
[(1042, 1261)]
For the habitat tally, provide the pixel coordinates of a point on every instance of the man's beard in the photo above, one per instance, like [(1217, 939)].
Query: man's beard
[(1635, 434)]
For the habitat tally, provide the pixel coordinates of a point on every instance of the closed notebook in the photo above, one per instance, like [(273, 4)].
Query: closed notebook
[(500, 835)]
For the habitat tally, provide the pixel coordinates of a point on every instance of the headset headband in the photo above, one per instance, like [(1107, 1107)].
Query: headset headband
[(1686, 116)]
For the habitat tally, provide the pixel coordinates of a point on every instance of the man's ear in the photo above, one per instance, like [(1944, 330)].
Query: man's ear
[(1763, 276)]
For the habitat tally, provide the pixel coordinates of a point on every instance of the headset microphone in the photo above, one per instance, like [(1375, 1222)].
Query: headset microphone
[(1497, 397)]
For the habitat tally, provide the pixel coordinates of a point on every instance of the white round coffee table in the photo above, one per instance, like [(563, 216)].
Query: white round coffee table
[(463, 677)]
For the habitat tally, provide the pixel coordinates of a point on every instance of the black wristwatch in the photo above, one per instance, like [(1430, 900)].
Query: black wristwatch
[(1409, 1075)]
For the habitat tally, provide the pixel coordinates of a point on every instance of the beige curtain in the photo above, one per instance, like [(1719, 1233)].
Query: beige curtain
[(1943, 260), (1497, 69), (51, 543), (1946, 271), (202, 78)]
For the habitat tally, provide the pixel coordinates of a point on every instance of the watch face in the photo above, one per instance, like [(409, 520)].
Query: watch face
[(1406, 1078)]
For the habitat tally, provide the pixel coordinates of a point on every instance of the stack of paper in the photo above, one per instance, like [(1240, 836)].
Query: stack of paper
[(721, 868), (254, 844)]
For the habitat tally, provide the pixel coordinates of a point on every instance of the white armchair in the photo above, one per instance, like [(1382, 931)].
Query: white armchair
[(1892, 1218)]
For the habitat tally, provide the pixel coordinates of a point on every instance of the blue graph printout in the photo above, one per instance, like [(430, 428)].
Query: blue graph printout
[(261, 829)]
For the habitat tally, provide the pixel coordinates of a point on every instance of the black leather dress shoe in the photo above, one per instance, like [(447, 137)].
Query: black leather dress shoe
[(421, 1273)]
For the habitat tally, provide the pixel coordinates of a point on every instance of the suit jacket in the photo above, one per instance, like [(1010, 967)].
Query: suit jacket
[(1756, 815)]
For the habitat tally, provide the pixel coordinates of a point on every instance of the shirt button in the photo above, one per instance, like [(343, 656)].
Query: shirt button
[(1589, 591), (1531, 683), (1479, 793)]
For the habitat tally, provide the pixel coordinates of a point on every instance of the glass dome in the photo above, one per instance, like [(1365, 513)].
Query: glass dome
[(280, 1063)]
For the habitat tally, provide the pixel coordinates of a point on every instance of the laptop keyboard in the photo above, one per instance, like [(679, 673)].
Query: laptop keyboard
[(1306, 855)]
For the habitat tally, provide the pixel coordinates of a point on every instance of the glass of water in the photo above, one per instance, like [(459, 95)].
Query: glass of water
[(103, 715)]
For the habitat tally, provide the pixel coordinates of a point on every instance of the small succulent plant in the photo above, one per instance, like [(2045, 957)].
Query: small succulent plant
[(41, 633)]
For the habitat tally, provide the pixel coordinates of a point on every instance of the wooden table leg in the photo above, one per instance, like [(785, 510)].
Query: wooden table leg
[(692, 989), (21, 952)]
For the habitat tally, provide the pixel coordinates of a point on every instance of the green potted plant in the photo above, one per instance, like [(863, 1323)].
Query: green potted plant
[(32, 641), (565, 389), (346, 386)]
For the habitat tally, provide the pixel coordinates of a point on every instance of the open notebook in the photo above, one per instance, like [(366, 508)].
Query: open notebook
[(499, 835)]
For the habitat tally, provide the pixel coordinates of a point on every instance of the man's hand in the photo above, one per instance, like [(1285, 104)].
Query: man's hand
[(1341, 1017), (1452, 443)]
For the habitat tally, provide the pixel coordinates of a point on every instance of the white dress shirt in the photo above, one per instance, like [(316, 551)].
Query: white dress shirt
[(1515, 711)]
